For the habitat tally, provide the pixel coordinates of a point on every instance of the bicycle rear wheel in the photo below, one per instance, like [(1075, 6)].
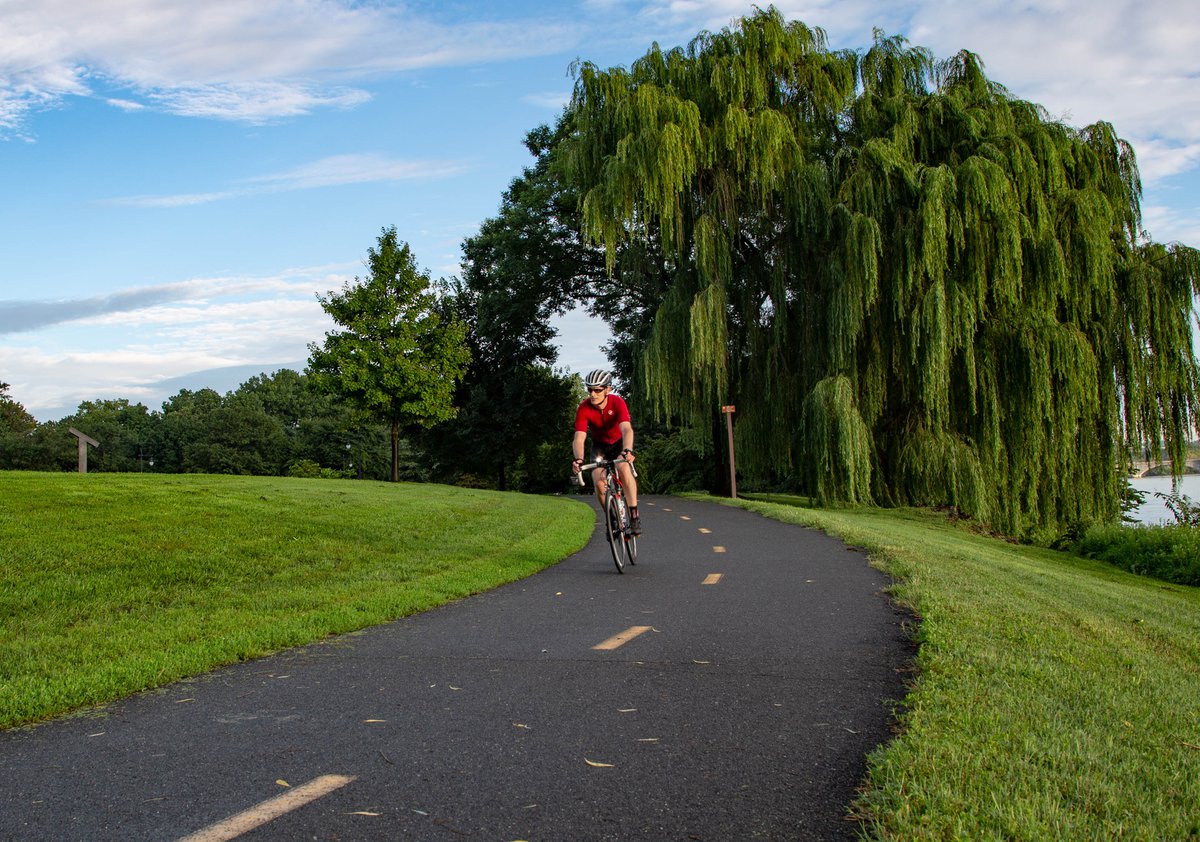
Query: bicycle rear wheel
[(615, 531)]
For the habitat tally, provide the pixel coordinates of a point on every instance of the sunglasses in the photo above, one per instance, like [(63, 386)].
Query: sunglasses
[(595, 389)]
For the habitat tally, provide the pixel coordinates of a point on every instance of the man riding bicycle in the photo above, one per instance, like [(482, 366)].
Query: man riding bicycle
[(607, 416)]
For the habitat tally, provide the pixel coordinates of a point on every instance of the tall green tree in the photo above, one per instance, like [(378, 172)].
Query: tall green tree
[(522, 267), (916, 288), (13, 417), (395, 357), (17, 427)]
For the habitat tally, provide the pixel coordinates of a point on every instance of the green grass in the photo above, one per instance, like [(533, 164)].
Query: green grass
[(113, 583), (1057, 697)]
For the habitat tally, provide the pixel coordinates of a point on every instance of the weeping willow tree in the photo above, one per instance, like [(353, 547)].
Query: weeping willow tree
[(917, 288)]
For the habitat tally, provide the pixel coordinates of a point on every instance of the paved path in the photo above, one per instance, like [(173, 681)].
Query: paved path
[(743, 711)]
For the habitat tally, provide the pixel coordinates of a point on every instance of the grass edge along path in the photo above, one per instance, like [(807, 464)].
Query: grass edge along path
[(115, 583), (1056, 697)]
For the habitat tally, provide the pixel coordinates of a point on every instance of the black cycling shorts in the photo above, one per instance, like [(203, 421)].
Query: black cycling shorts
[(608, 451)]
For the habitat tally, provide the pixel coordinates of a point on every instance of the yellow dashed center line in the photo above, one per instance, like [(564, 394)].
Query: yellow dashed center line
[(684, 517), (712, 578), (272, 808), (622, 638), (704, 531), (718, 549)]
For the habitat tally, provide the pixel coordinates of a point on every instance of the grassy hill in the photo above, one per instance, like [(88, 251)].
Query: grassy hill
[(113, 583)]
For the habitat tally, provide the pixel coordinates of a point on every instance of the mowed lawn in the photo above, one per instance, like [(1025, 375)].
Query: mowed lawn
[(113, 583), (1054, 697)]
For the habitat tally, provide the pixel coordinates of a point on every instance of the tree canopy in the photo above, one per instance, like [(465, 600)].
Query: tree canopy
[(917, 288), (395, 358)]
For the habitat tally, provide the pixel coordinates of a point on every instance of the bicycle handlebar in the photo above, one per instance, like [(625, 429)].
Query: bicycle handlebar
[(607, 464), (603, 463)]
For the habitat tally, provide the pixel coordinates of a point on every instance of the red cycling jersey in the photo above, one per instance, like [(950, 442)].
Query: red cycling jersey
[(605, 424)]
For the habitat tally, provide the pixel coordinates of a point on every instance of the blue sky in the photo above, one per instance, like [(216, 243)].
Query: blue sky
[(180, 178)]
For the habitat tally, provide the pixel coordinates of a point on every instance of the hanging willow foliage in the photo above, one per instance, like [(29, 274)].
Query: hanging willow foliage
[(917, 288)]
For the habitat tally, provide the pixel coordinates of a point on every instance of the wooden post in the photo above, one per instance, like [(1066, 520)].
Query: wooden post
[(84, 441), (728, 412)]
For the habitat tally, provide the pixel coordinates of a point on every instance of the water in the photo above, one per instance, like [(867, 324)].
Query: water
[(1154, 511)]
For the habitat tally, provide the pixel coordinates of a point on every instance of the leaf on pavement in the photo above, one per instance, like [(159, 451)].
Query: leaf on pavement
[(363, 813), (598, 765), (282, 782)]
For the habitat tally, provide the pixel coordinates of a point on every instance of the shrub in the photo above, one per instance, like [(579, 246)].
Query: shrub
[(308, 469), (1169, 553)]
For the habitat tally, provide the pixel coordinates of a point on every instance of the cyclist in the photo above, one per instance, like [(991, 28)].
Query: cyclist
[(607, 416)]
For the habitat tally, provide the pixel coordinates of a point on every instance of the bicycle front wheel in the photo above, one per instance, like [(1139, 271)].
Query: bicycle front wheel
[(616, 532)]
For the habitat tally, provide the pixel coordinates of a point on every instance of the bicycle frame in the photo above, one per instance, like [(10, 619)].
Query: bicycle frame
[(621, 541)]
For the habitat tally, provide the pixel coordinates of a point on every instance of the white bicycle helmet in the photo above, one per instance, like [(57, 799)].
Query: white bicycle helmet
[(597, 378)]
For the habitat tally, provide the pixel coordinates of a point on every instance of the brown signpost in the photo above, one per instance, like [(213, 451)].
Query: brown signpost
[(728, 412), (84, 441)]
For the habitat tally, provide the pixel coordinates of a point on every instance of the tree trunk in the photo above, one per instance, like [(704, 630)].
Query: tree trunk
[(395, 450)]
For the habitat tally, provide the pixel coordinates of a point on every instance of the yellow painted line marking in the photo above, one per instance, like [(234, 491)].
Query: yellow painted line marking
[(712, 578), (271, 809), (684, 517), (622, 638), (718, 549), (665, 509), (704, 531)]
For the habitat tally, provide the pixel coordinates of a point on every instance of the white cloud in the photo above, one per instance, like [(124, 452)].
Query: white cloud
[(333, 171), (166, 333), (126, 105), (553, 100), (1172, 225), (257, 102), (357, 169), (582, 340), (234, 60)]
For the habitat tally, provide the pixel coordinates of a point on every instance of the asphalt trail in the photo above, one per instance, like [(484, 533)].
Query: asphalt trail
[(744, 711)]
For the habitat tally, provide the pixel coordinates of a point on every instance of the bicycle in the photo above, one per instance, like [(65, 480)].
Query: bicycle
[(621, 540)]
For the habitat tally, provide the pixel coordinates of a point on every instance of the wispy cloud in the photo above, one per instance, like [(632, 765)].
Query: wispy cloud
[(20, 316), (1172, 225), (228, 59), (555, 100), (257, 102), (127, 343), (356, 169), (333, 171), (163, 303)]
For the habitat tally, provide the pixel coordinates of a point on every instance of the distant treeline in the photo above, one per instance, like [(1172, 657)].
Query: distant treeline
[(275, 424), (280, 424)]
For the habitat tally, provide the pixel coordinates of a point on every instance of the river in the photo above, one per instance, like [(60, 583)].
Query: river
[(1154, 511)]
